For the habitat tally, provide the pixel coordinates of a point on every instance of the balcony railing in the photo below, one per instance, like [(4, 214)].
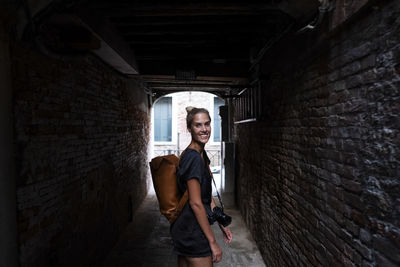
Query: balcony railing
[(213, 154)]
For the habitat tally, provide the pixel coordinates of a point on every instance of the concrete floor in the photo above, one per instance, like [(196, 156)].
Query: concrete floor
[(146, 242)]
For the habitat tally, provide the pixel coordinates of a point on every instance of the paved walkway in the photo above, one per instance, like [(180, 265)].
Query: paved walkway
[(146, 242)]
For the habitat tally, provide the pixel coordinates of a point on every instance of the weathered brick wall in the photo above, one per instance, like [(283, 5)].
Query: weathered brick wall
[(81, 140), (318, 178)]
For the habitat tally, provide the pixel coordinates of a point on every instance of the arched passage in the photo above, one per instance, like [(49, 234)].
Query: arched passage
[(168, 127)]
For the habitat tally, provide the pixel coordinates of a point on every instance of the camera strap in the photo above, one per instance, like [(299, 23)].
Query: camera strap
[(216, 189)]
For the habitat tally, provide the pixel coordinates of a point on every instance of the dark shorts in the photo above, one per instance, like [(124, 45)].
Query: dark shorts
[(188, 238)]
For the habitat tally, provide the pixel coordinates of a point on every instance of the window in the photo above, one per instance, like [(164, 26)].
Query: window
[(163, 120), (217, 119)]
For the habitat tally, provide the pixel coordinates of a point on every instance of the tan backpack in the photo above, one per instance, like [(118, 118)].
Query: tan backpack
[(170, 199)]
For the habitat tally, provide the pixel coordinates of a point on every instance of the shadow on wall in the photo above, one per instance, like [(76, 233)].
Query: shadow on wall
[(81, 153)]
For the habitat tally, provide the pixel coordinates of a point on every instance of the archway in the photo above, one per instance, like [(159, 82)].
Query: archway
[(168, 134)]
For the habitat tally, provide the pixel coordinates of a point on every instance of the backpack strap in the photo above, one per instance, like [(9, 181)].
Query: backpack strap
[(180, 206)]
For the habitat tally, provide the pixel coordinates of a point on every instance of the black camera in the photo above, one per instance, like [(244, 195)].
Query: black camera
[(218, 215)]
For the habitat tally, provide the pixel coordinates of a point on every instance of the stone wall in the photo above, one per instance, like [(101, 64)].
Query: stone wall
[(81, 153), (318, 173)]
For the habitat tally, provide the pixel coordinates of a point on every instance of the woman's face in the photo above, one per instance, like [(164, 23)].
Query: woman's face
[(201, 128)]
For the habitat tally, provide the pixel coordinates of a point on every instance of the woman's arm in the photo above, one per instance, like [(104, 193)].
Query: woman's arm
[(225, 230), (200, 213), (212, 203)]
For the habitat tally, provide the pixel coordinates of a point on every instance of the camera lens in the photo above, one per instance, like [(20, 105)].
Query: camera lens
[(221, 217)]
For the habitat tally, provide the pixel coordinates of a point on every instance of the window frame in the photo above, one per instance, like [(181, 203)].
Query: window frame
[(211, 141), (173, 123)]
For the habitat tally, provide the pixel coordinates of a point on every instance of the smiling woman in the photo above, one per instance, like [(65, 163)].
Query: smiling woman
[(193, 239), (199, 124)]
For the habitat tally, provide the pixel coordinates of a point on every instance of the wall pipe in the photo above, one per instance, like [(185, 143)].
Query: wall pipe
[(324, 8)]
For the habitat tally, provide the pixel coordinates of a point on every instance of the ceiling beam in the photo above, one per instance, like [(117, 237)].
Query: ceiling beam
[(242, 57), (201, 68), (190, 88), (159, 42), (164, 82), (270, 17), (294, 8), (204, 58), (215, 79), (242, 29), (183, 9)]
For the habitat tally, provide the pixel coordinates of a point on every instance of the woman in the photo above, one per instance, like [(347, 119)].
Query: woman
[(194, 241)]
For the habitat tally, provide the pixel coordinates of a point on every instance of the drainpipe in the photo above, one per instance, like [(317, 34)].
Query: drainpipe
[(324, 8)]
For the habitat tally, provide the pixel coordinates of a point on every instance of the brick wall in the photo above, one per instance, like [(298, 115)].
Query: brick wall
[(81, 141), (318, 173)]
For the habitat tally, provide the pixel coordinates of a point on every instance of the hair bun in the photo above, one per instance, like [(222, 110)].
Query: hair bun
[(189, 108)]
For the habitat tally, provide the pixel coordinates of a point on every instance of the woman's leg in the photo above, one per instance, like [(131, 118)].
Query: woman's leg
[(199, 262)]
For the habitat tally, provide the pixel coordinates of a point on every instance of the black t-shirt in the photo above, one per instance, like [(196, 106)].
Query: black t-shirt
[(188, 238), (192, 166)]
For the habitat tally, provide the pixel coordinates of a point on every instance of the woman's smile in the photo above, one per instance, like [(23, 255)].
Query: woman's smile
[(201, 128)]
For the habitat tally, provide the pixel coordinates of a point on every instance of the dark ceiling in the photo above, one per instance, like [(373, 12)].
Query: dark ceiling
[(210, 39), (187, 40)]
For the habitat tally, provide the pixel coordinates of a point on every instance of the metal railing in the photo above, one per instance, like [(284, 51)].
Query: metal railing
[(213, 154)]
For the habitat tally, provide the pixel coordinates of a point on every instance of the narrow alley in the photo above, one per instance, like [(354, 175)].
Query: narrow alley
[(304, 102)]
